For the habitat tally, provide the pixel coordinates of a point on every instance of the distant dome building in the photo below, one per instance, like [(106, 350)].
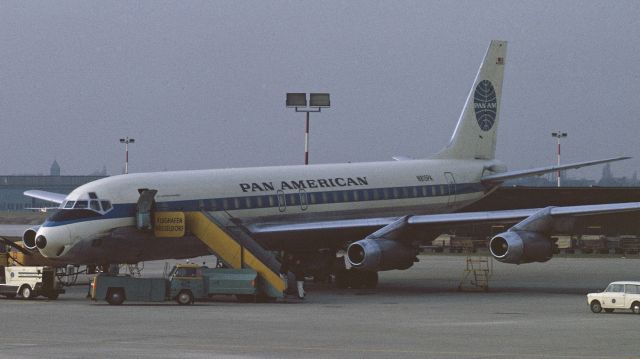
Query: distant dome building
[(55, 169), (12, 187)]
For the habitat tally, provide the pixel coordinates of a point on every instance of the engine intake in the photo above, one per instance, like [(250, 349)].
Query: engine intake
[(518, 247), (380, 255), (29, 237)]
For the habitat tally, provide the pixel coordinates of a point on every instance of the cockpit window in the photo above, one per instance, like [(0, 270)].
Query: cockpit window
[(73, 210), (95, 205), (106, 205), (81, 204)]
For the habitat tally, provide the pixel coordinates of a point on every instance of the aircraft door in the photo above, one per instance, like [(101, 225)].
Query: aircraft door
[(304, 200), (282, 200), (451, 188), (144, 208)]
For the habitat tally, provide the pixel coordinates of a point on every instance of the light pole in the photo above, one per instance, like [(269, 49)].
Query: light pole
[(559, 135), (317, 101), (126, 142)]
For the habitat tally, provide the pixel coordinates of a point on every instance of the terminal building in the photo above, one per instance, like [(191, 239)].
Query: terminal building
[(13, 187)]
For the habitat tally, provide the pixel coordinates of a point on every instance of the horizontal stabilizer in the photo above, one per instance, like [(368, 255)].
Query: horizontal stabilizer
[(499, 177), (46, 196)]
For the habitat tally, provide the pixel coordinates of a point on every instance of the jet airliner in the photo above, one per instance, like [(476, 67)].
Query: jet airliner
[(377, 212)]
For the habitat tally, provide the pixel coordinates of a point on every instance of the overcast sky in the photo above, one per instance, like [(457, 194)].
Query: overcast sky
[(202, 84)]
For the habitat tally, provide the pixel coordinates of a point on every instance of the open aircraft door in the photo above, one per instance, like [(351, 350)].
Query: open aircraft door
[(144, 209)]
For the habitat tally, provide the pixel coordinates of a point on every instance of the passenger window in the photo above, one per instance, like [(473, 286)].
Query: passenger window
[(81, 204), (95, 205), (631, 289)]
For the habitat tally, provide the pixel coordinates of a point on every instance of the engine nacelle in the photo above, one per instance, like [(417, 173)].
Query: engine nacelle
[(519, 247), (29, 238), (380, 255)]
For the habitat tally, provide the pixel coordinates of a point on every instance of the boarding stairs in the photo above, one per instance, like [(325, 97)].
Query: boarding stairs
[(233, 245)]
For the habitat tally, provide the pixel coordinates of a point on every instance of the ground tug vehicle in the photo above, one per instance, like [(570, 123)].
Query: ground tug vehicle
[(185, 284)]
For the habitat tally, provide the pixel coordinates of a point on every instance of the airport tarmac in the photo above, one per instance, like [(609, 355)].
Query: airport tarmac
[(531, 311)]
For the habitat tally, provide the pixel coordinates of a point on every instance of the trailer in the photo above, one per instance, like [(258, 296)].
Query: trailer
[(29, 282), (185, 284)]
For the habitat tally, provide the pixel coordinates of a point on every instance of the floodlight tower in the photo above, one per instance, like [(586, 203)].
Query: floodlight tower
[(317, 101), (559, 135), (126, 142)]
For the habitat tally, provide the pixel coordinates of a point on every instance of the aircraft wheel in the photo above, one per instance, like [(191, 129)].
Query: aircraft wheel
[(184, 298), (26, 292), (342, 279), (370, 280)]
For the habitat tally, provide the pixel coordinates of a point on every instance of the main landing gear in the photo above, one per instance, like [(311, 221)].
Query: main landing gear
[(351, 278)]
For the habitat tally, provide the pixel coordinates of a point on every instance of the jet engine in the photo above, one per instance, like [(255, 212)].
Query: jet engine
[(29, 237), (380, 254), (518, 247)]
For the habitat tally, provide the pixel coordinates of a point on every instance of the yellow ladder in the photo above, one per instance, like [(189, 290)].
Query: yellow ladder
[(477, 273), (237, 249)]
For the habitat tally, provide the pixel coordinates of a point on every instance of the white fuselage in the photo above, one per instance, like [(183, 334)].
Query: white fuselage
[(285, 194)]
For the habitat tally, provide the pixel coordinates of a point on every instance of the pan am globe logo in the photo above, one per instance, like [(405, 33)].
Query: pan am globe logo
[(485, 104)]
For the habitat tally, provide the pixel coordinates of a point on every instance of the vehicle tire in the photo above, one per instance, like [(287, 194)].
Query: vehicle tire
[(185, 297), (596, 307), (635, 307), (26, 292), (53, 296), (608, 310), (115, 296)]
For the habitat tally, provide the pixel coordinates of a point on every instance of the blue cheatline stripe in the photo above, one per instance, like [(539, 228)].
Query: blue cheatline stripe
[(280, 200)]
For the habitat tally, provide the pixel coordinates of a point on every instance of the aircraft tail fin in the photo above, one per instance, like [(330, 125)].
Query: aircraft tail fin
[(475, 133)]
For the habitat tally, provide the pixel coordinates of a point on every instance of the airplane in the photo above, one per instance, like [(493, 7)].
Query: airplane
[(377, 212)]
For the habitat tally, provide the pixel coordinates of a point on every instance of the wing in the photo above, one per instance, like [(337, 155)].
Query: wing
[(499, 177), (46, 196), (390, 243), (359, 226)]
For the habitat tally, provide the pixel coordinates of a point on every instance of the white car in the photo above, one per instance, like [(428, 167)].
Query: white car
[(618, 295)]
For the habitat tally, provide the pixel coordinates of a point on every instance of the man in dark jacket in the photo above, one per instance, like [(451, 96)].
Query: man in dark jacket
[(293, 265)]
